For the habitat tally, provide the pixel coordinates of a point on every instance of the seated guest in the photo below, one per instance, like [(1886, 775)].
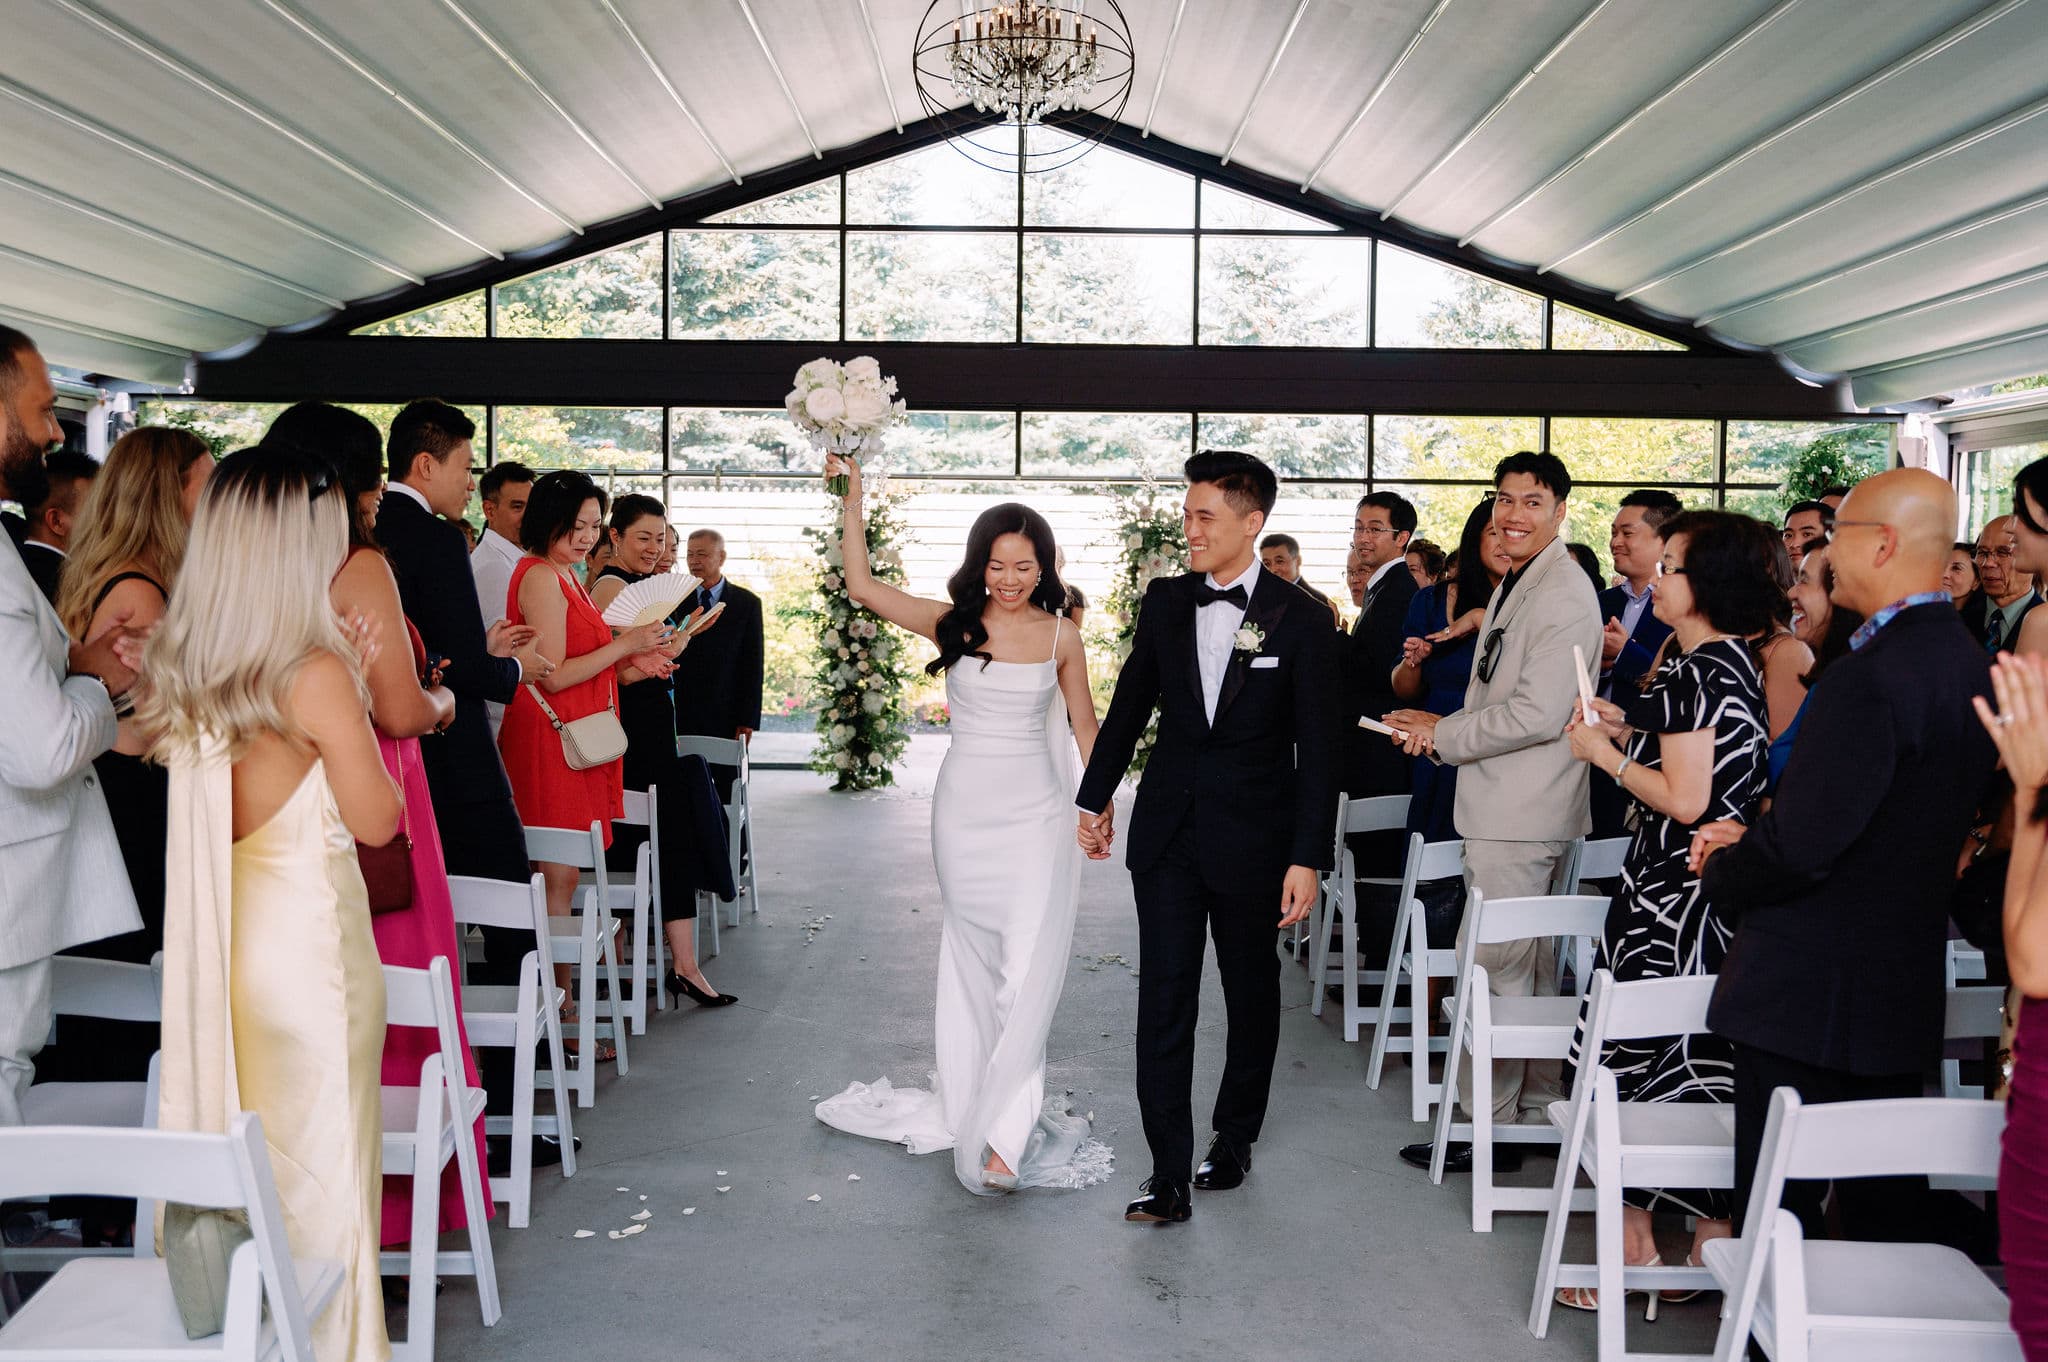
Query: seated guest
[(1432, 675), (2009, 594), (564, 520), (1959, 578), (1690, 750), (61, 863), (125, 553), (1589, 563), (1806, 524), (273, 996), (1833, 983), (503, 488), (718, 682), (1425, 563), (47, 540), (647, 709), (1280, 554)]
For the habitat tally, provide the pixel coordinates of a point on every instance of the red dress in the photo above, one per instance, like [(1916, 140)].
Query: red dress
[(548, 793)]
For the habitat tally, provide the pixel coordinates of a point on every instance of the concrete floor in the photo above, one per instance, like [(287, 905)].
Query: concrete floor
[(1333, 1248)]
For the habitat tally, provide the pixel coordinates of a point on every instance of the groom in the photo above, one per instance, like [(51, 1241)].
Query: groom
[(1233, 820)]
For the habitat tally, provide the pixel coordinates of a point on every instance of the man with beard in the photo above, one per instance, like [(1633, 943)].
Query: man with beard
[(62, 881)]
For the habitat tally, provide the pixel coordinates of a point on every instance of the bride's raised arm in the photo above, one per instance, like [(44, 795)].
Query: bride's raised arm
[(897, 606)]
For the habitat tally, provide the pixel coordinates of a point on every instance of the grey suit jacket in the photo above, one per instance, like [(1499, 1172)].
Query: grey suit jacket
[(62, 882), (1517, 779)]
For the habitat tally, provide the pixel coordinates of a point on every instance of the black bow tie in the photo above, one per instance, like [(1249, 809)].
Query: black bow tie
[(1209, 595)]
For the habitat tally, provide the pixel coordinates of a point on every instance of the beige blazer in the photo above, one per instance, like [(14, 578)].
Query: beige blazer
[(62, 881), (1517, 779)]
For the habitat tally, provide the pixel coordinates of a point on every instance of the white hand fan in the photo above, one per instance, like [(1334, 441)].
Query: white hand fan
[(648, 600)]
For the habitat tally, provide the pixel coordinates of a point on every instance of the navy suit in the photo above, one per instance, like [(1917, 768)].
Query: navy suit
[(1622, 682)]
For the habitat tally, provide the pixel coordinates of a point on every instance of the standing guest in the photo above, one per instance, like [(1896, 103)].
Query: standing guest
[(1425, 563), (1588, 560), (503, 488), (47, 541), (402, 708), (2030, 551), (61, 877), (125, 555), (599, 559), (468, 532), (273, 997), (1436, 669), (1832, 985), (564, 519), (718, 682), (2009, 593), (648, 712), (1806, 524), (1783, 653), (1631, 632), (1822, 631), (1077, 604), (1356, 575), (1280, 554), (1381, 526), (1690, 750), (671, 550), (1959, 578), (1509, 740), (1834, 496)]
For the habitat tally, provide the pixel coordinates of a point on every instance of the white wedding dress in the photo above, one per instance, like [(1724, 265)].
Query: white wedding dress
[(1009, 871)]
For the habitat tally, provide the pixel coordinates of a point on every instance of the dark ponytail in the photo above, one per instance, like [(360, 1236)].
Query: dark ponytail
[(960, 632)]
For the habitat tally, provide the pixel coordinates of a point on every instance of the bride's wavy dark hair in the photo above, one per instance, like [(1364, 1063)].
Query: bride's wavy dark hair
[(960, 632)]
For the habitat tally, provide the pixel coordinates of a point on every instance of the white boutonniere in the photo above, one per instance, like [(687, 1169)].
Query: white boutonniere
[(1249, 639)]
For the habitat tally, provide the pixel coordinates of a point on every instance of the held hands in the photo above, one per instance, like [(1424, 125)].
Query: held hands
[(1710, 838), (2020, 727), (1297, 894), (506, 639), (1096, 833)]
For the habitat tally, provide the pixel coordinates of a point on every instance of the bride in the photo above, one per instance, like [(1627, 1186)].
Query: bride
[(1003, 844)]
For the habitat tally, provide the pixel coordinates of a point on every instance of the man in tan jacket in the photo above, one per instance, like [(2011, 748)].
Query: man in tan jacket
[(1521, 799)]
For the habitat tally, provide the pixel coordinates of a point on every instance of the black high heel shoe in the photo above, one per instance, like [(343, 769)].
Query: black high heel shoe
[(680, 988)]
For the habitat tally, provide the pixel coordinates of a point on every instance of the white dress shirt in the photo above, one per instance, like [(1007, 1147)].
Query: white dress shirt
[(1215, 627), (491, 563)]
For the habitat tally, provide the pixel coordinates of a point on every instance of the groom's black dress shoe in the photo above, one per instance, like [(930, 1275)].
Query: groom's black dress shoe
[(1507, 1158), (1163, 1203), (1225, 1167)]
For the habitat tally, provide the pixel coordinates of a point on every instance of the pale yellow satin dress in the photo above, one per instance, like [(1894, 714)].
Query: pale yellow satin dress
[(301, 1034)]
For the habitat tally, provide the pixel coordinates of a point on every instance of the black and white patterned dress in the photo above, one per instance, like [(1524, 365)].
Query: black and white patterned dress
[(1659, 925)]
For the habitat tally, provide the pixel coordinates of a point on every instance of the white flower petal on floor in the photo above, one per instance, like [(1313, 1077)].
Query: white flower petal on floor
[(644, 1215), (584, 1234), (723, 1190), (853, 1177), (689, 1210), (814, 1197)]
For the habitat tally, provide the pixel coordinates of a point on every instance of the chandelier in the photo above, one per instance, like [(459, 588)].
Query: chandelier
[(1043, 78)]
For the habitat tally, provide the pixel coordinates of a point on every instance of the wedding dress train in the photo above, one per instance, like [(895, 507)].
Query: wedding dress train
[(1009, 872)]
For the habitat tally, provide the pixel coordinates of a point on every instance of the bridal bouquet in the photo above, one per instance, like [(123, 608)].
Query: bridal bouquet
[(844, 408)]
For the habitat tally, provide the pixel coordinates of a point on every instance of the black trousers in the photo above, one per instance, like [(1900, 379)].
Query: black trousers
[(1895, 1210), (485, 839), (1175, 906)]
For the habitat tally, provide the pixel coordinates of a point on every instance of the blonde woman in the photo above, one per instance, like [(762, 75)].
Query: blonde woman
[(123, 560), (273, 995)]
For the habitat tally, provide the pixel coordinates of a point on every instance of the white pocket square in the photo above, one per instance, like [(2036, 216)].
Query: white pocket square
[(1258, 662)]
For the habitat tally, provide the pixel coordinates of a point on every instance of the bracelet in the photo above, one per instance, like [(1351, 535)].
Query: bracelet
[(1625, 759)]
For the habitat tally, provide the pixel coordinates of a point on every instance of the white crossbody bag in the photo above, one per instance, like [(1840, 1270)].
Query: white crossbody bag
[(589, 741)]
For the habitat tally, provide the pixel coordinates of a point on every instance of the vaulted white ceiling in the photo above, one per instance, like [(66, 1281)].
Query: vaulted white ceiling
[(1861, 185)]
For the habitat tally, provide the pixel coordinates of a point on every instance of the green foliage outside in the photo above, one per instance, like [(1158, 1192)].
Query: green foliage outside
[(858, 663)]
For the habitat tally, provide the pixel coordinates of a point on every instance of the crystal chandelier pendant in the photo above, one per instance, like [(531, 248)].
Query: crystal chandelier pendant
[(1025, 65)]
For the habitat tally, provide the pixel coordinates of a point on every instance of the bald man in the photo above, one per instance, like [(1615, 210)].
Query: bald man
[(1833, 984)]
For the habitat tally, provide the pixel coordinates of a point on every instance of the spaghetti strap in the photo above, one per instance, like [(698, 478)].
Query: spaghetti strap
[(1056, 619), (101, 597)]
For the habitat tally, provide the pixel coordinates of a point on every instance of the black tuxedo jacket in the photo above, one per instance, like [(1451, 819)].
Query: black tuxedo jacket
[(1840, 893), (44, 565), (1372, 765), (1975, 612), (430, 559), (718, 677), (1259, 787)]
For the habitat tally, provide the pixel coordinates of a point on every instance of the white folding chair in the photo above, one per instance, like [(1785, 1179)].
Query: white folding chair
[(1490, 1028), (739, 819), (1965, 963), (648, 966), (518, 1016), (1628, 1144), (115, 989), (1598, 858), (585, 940), (1836, 1299), (424, 1128), (1410, 956), (1975, 1012), (1339, 904), (121, 1308)]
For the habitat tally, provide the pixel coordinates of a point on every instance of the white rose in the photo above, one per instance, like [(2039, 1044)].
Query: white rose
[(831, 639), (833, 557), (874, 702), (842, 760), (864, 369), (889, 558), (819, 373), (839, 733), (1247, 640), (1134, 540), (882, 649), (864, 406), (831, 581), (875, 760), (825, 405), (864, 664), (840, 648)]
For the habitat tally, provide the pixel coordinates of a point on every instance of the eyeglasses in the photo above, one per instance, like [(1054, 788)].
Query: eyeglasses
[(1981, 554), (1373, 531), (1489, 653), (1666, 570)]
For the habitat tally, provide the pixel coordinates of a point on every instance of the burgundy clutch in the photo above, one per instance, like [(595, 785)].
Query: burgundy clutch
[(387, 874)]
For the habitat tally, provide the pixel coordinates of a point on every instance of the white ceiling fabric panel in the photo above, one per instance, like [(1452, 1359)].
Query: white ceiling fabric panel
[(1861, 184)]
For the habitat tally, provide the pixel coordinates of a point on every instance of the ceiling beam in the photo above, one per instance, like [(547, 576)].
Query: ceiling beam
[(1950, 231), (50, 108), (1280, 50), (2004, 123), (867, 20), (1373, 96), (1954, 351), (1635, 116), (1180, 11), (512, 64), (361, 66), (746, 9), (126, 289), (1973, 293), (1585, 20), (147, 233), (1924, 53), (32, 321), (1036, 377), (250, 109), (674, 94)]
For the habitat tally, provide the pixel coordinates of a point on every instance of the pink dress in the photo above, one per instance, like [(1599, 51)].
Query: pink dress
[(412, 938)]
